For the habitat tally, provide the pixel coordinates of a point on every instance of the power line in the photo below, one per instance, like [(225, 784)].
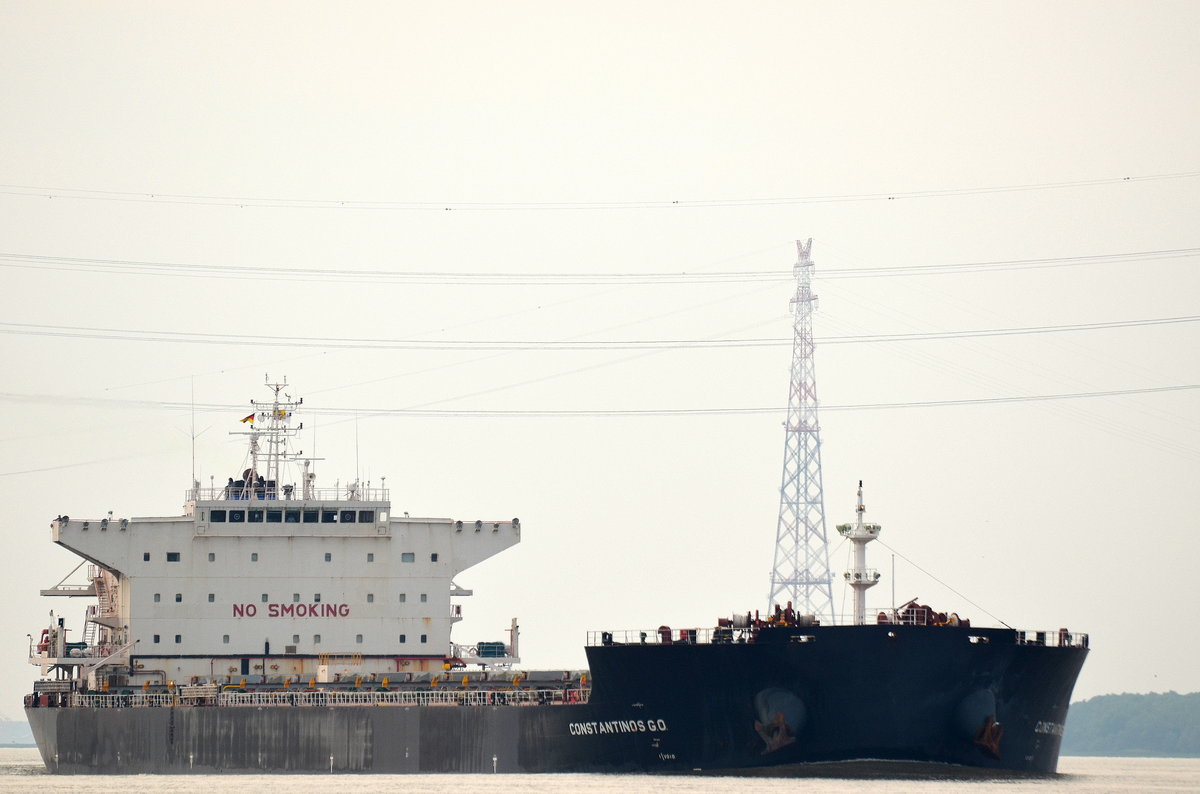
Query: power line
[(44, 262), (568, 413), (244, 202), (131, 335)]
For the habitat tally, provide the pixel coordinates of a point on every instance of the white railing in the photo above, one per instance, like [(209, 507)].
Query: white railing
[(430, 697), (132, 700), (284, 493), (1059, 638)]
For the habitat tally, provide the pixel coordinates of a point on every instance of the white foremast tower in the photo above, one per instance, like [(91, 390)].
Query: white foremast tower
[(860, 577), (801, 570)]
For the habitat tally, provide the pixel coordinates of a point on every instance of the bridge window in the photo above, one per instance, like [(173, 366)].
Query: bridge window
[(328, 516), (408, 556), (217, 516), (310, 516), (291, 516), (274, 516), (347, 517), (237, 516), (366, 516), (172, 556), (255, 516)]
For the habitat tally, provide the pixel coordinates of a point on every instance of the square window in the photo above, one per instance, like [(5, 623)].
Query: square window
[(366, 516), (254, 556), (145, 556), (347, 517), (433, 557), (408, 556), (172, 556), (358, 638), (179, 598), (295, 639), (316, 598), (212, 597), (157, 597), (328, 516), (264, 598), (291, 516), (217, 516), (225, 639), (424, 638), (370, 598), (403, 638), (328, 557), (212, 557), (295, 598), (403, 597), (424, 598), (254, 516), (316, 639), (370, 556), (310, 516), (274, 516), (156, 638), (237, 516), (178, 639)]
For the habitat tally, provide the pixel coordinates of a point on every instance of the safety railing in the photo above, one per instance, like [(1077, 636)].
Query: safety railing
[(431, 697), (272, 493), (1058, 638)]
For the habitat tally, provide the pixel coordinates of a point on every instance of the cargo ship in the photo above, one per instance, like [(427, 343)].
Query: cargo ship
[(278, 626)]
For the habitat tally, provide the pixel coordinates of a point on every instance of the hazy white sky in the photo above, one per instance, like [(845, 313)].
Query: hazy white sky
[(309, 157)]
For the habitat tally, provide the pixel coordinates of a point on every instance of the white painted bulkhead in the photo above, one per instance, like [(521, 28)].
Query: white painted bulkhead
[(276, 594)]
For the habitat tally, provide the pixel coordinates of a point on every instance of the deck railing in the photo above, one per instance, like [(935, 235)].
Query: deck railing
[(431, 697), (1058, 638), (280, 493)]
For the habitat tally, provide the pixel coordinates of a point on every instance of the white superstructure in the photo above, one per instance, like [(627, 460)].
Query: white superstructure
[(270, 577)]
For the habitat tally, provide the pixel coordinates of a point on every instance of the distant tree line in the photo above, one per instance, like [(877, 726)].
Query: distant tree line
[(1163, 724)]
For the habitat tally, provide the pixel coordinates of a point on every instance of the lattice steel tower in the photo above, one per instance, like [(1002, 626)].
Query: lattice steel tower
[(801, 571)]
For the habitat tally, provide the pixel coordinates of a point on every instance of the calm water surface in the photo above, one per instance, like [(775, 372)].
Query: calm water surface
[(21, 770)]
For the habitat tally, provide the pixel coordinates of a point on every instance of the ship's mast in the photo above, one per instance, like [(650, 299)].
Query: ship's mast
[(801, 570), (270, 436), (860, 577)]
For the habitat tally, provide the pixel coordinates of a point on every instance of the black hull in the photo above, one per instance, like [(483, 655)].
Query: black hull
[(777, 706)]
